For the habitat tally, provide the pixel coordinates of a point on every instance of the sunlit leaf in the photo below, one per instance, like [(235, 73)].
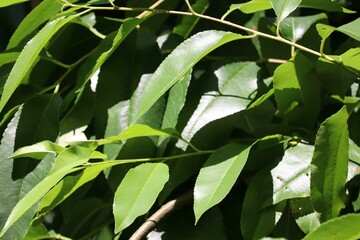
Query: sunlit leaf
[(331, 160), (338, 228), (351, 29), (38, 150), (351, 58), (237, 83), (283, 8), (179, 62), (138, 192), (217, 176), (5, 3)]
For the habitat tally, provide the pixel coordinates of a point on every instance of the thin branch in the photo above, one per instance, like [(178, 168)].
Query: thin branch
[(145, 13), (166, 210)]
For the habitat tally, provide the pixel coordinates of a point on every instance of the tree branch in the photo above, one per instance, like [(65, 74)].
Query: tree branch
[(162, 213)]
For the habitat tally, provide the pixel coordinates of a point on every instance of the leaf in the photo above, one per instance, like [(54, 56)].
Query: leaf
[(291, 177), (70, 184), (104, 50), (138, 192), (309, 222), (283, 8), (351, 29), (140, 130), (294, 28), (338, 228), (297, 91), (8, 57), (39, 15), (326, 5), (5, 3), (75, 157), (179, 62), (38, 150), (237, 85), (354, 152), (257, 222), (331, 159), (351, 58), (217, 177), (28, 55), (188, 23), (249, 7)]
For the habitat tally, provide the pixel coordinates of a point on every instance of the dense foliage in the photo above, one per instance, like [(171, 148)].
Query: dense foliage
[(232, 119)]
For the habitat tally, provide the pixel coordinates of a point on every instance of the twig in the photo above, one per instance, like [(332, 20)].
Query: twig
[(160, 214)]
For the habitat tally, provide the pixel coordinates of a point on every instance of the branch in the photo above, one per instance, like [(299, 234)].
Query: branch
[(162, 213)]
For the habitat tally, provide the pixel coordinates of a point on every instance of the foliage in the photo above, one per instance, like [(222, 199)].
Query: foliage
[(111, 109)]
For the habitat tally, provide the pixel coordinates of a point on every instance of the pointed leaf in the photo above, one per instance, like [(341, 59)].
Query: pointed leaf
[(343, 227), (291, 177), (283, 8), (8, 57), (43, 12), (5, 3), (331, 159), (237, 85), (217, 177), (76, 155), (38, 150), (351, 29), (351, 58), (179, 62), (138, 192), (28, 55), (140, 130), (250, 7)]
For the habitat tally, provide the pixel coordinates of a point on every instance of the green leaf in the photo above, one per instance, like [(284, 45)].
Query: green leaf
[(309, 222), (5, 3), (331, 159), (75, 157), (297, 91), (217, 177), (179, 62), (70, 184), (326, 5), (291, 177), (339, 228), (8, 57), (28, 56), (257, 222), (351, 58), (43, 12), (250, 7), (351, 29), (188, 23), (354, 152), (38, 150), (294, 28), (140, 130), (283, 8), (138, 192), (237, 84)]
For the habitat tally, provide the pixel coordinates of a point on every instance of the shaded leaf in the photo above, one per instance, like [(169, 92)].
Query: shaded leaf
[(179, 62), (338, 228), (28, 55), (354, 152), (138, 192), (331, 160), (217, 177)]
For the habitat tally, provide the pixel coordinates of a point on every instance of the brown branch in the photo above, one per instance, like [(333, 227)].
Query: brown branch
[(160, 214)]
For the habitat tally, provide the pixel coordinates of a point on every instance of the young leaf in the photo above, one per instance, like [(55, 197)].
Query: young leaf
[(291, 177), (179, 62), (237, 85), (217, 177), (75, 157), (250, 7), (338, 228), (351, 58), (140, 130), (331, 160), (43, 12), (28, 55), (283, 8), (138, 192)]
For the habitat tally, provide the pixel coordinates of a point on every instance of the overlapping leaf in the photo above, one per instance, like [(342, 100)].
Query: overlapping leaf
[(179, 62), (283, 8)]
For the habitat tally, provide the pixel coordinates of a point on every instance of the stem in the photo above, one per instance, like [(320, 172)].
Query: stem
[(145, 13), (162, 213)]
